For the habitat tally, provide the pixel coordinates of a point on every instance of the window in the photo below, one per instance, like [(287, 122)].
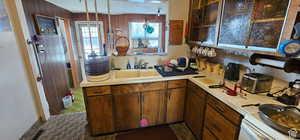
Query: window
[(91, 36), (143, 41)]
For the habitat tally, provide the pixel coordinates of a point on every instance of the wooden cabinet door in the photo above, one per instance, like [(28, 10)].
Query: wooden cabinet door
[(219, 126), (175, 104), (127, 110), (204, 21), (100, 114), (194, 113), (207, 135), (154, 107)]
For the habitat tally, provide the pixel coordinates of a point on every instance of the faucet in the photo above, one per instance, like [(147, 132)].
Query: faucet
[(140, 64)]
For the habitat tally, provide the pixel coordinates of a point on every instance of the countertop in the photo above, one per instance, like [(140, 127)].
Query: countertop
[(235, 102)]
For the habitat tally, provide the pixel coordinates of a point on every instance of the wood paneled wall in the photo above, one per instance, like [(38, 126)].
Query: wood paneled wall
[(121, 21)]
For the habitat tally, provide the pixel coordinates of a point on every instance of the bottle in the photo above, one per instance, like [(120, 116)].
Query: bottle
[(128, 65)]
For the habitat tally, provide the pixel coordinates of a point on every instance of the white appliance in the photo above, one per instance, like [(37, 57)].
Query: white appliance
[(250, 132)]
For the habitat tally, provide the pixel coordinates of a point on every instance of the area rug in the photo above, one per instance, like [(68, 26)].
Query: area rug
[(155, 133)]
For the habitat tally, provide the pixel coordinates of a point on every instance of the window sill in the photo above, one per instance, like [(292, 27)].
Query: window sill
[(146, 54)]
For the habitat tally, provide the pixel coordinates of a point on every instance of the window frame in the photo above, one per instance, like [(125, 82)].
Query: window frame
[(160, 48), (78, 25)]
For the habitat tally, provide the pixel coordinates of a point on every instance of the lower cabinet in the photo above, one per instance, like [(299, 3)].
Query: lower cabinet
[(100, 108), (222, 121), (175, 104), (207, 135), (153, 107), (127, 110), (194, 111)]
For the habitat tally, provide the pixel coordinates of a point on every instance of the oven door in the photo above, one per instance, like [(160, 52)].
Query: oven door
[(249, 132)]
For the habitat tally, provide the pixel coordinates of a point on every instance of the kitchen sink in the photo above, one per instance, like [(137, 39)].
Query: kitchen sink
[(122, 74)]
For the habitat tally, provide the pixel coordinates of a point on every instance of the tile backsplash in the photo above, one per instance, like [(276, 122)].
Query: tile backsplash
[(173, 52)]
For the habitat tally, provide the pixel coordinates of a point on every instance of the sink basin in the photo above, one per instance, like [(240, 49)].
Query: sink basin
[(136, 73)]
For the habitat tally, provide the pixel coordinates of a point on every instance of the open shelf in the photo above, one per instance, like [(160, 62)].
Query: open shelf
[(268, 20)]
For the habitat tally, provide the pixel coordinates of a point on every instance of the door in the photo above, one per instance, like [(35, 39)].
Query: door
[(175, 104), (54, 71), (235, 24), (205, 20), (154, 107), (267, 22), (101, 114), (127, 110), (194, 113)]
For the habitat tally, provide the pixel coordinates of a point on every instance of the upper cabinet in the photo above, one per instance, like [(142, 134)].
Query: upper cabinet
[(204, 17), (236, 22), (258, 25)]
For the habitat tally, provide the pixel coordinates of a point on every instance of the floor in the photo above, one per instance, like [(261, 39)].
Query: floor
[(78, 104), (74, 127)]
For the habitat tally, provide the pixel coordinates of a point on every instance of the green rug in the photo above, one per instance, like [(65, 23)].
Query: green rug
[(78, 105)]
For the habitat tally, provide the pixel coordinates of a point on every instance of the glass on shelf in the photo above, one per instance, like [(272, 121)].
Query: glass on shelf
[(273, 9), (267, 23)]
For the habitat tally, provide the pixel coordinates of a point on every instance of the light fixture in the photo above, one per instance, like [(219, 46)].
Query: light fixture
[(158, 11), (139, 1), (155, 1)]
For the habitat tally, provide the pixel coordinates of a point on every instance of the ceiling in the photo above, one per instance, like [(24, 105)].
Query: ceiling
[(117, 6)]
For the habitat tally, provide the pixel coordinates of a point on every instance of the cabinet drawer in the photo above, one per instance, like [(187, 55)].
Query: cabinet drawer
[(219, 126), (207, 135), (92, 91), (154, 86), (130, 88), (176, 83), (225, 110)]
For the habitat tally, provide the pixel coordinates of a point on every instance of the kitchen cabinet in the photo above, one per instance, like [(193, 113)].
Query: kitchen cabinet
[(248, 23), (207, 135), (204, 21), (194, 109), (100, 108), (154, 107), (175, 104), (245, 24), (221, 121), (127, 110)]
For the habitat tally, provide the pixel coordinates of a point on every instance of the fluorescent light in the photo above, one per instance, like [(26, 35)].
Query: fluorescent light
[(155, 1), (140, 1)]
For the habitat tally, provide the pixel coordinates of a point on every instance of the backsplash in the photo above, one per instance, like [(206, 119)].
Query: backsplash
[(173, 52), (242, 58)]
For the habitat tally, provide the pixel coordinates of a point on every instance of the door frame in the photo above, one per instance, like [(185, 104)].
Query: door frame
[(19, 24), (80, 46), (70, 51)]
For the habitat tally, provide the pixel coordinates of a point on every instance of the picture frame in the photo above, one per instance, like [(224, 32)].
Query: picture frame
[(45, 25)]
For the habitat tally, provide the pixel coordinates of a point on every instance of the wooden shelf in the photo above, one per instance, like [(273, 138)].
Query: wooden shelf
[(204, 26), (268, 20), (212, 2)]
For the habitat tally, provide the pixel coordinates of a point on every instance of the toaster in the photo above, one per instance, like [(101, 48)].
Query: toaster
[(256, 83)]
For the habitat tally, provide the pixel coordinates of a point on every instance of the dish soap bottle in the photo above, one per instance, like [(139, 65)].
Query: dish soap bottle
[(128, 65)]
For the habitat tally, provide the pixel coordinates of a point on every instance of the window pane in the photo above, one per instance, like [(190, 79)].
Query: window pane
[(153, 43), (87, 42), (155, 33), (137, 30)]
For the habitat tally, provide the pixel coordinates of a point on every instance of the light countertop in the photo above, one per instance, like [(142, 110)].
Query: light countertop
[(235, 102)]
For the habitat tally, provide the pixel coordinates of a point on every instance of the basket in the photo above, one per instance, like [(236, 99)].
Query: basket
[(122, 49)]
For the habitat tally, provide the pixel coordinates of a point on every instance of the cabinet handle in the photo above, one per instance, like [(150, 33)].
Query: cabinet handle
[(221, 110), (169, 96), (216, 127)]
